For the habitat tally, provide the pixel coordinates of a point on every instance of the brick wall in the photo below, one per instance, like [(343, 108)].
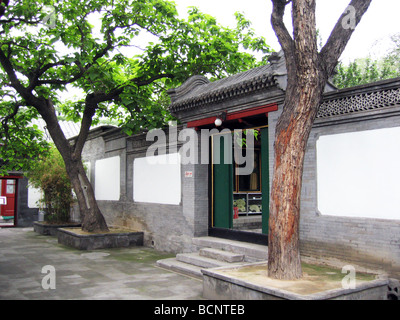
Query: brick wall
[(373, 243), (167, 228)]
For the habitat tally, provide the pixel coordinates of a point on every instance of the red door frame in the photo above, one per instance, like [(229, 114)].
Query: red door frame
[(16, 178)]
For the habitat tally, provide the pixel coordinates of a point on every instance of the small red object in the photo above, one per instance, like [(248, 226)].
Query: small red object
[(236, 212)]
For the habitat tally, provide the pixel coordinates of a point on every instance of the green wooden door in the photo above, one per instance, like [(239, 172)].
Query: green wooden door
[(265, 179), (222, 182)]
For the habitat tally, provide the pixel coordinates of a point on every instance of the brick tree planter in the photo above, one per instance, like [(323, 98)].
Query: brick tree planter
[(47, 229), (245, 283), (74, 237)]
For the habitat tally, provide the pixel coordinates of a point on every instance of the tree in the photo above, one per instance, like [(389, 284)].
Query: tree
[(49, 46), (367, 70), (308, 71)]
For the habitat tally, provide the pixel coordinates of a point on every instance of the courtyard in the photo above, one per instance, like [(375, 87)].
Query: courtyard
[(115, 274)]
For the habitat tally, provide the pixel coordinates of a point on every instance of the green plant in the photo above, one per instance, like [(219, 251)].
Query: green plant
[(240, 204), (50, 176), (241, 139)]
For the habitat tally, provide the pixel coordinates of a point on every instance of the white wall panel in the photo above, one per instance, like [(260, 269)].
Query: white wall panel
[(358, 174), (107, 179), (157, 179)]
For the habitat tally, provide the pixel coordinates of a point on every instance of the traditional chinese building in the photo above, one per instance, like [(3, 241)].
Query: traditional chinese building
[(350, 205)]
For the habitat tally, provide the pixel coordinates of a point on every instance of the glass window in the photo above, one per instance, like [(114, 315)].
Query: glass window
[(10, 186)]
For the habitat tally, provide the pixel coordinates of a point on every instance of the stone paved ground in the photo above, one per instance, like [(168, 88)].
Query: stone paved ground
[(114, 274)]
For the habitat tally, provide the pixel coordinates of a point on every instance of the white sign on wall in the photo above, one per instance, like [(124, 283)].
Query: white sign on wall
[(358, 174), (157, 179)]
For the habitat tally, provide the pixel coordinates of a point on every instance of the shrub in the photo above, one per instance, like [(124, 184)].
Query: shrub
[(49, 175)]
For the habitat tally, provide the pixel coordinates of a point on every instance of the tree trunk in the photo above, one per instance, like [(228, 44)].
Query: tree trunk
[(91, 217), (292, 133), (308, 72), (303, 97)]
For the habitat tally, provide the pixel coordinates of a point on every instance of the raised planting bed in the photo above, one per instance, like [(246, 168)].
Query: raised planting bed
[(51, 229), (251, 282), (115, 238)]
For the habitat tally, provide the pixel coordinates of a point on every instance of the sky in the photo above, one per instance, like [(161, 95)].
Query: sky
[(371, 36)]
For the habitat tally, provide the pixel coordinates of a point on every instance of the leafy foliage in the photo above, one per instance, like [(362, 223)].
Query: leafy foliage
[(51, 49), (20, 141), (95, 47), (50, 176), (367, 70)]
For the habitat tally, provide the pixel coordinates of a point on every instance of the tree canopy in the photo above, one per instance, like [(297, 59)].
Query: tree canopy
[(50, 48), (121, 55)]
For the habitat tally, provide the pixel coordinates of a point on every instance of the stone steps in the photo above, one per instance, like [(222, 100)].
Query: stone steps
[(213, 253), (181, 267), (221, 255), (252, 252)]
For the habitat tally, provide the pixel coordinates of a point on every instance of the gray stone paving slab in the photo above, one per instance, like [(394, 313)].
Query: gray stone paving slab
[(109, 274)]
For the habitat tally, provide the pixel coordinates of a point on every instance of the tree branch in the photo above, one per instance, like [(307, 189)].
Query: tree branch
[(141, 83), (43, 106), (284, 38), (91, 105), (4, 121), (83, 69), (87, 118), (8, 68), (34, 78), (114, 94), (342, 32)]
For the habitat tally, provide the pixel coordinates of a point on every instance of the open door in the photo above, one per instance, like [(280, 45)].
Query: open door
[(240, 202)]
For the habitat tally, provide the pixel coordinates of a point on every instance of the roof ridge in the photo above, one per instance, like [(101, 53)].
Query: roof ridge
[(242, 83)]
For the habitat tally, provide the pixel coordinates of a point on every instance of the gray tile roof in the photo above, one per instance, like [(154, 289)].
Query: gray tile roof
[(198, 90), (69, 128)]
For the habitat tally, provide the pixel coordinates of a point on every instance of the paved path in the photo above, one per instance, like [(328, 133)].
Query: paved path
[(128, 273)]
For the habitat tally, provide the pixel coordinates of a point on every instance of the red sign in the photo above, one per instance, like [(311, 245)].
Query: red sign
[(188, 174)]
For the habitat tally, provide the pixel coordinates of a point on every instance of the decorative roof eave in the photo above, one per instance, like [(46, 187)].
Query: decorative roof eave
[(198, 91), (234, 91)]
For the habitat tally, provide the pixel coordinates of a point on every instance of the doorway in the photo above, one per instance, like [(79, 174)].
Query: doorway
[(8, 201), (240, 202)]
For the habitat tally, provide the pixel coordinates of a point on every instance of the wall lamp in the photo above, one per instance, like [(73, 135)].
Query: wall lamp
[(220, 119)]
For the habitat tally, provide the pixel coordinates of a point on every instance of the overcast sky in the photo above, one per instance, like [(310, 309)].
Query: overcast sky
[(381, 21)]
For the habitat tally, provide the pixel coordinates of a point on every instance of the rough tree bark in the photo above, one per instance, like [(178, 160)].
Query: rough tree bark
[(91, 216), (308, 72)]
